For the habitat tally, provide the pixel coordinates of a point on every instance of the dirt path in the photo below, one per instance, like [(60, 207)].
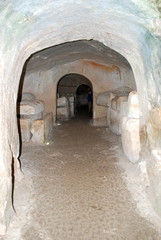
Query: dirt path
[(74, 189)]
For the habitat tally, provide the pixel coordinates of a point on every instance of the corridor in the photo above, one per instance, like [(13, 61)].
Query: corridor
[(75, 188)]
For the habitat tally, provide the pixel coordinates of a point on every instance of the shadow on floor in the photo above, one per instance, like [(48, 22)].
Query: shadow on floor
[(83, 113)]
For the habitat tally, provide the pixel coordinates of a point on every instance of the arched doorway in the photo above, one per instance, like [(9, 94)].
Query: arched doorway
[(72, 96)]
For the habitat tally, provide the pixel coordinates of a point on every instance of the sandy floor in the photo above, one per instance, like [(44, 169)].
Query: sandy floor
[(78, 188)]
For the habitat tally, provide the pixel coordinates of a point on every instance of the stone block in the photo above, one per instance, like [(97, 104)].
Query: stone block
[(104, 99), (109, 98), (115, 114), (123, 112), (120, 100), (131, 138), (61, 102), (42, 129), (114, 121), (63, 113), (108, 116), (63, 109), (155, 117), (123, 109), (28, 96), (133, 105), (153, 135), (26, 108), (48, 126), (25, 129), (31, 109), (37, 131), (114, 103), (72, 106)]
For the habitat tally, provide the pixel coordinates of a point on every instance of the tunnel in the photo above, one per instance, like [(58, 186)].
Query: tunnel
[(75, 87), (56, 58)]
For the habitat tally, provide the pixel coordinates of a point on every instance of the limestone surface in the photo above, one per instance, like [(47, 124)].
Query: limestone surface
[(131, 138)]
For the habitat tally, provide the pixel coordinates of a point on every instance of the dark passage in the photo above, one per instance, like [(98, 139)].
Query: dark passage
[(84, 101)]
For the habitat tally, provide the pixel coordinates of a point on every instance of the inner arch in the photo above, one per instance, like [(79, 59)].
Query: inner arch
[(75, 88)]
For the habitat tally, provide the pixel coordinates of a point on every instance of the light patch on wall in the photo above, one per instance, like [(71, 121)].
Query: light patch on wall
[(112, 68)]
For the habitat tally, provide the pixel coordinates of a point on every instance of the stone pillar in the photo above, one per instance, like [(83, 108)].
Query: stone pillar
[(131, 129), (42, 129), (116, 113), (72, 105), (63, 109)]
